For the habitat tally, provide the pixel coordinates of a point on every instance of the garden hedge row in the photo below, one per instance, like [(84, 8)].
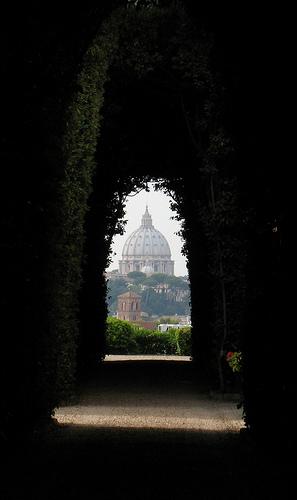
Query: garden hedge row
[(123, 337)]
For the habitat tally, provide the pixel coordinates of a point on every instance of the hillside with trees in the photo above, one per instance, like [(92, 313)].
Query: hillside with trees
[(160, 294)]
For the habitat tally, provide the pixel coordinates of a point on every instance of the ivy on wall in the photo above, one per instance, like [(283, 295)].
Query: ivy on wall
[(58, 343)]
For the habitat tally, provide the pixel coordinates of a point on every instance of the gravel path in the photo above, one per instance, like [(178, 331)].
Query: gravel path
[(150, 393), (144, 430)]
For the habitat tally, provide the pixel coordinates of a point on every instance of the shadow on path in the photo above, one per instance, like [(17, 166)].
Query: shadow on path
[(72, 461)]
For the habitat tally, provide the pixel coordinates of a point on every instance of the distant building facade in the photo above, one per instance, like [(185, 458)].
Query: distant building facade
[(129, 307), (146, 250)]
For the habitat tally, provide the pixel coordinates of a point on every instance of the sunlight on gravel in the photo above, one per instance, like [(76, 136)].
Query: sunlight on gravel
[(210, 424), (134, 392), (209, 417), (145, 357)]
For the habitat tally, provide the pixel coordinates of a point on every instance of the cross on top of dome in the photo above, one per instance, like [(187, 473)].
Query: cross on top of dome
[(146, 220)]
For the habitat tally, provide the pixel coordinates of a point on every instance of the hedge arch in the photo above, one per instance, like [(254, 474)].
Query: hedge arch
[(62, 160), (132, 45), (59, 169)]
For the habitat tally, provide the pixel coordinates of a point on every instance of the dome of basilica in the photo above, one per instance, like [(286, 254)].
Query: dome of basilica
[(146, 250)]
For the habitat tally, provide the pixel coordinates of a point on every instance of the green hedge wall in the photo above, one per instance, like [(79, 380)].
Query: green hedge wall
[(123, 337)]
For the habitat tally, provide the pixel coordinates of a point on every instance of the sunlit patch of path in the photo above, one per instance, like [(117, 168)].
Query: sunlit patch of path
[(150, 395), (146, 430), (145, 357), (94, 416)]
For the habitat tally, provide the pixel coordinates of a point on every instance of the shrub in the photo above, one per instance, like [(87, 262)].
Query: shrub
[(154, 342), (123, 337), (184, 340), (120, 337)]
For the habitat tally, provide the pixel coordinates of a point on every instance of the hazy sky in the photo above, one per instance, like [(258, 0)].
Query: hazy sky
[(159, 208)]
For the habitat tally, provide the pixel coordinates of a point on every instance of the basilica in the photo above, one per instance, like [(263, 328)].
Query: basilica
[(146, 250)]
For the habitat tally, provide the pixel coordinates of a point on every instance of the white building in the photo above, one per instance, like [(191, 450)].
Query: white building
[(165, 327), (146, 250)]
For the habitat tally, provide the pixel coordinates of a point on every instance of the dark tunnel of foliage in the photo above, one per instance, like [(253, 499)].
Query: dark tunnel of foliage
[(114, 97)]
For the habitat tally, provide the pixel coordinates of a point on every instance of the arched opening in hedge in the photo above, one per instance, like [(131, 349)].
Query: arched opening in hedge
[(148, 263), (161, 251), (96, 263), (147, 104)]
